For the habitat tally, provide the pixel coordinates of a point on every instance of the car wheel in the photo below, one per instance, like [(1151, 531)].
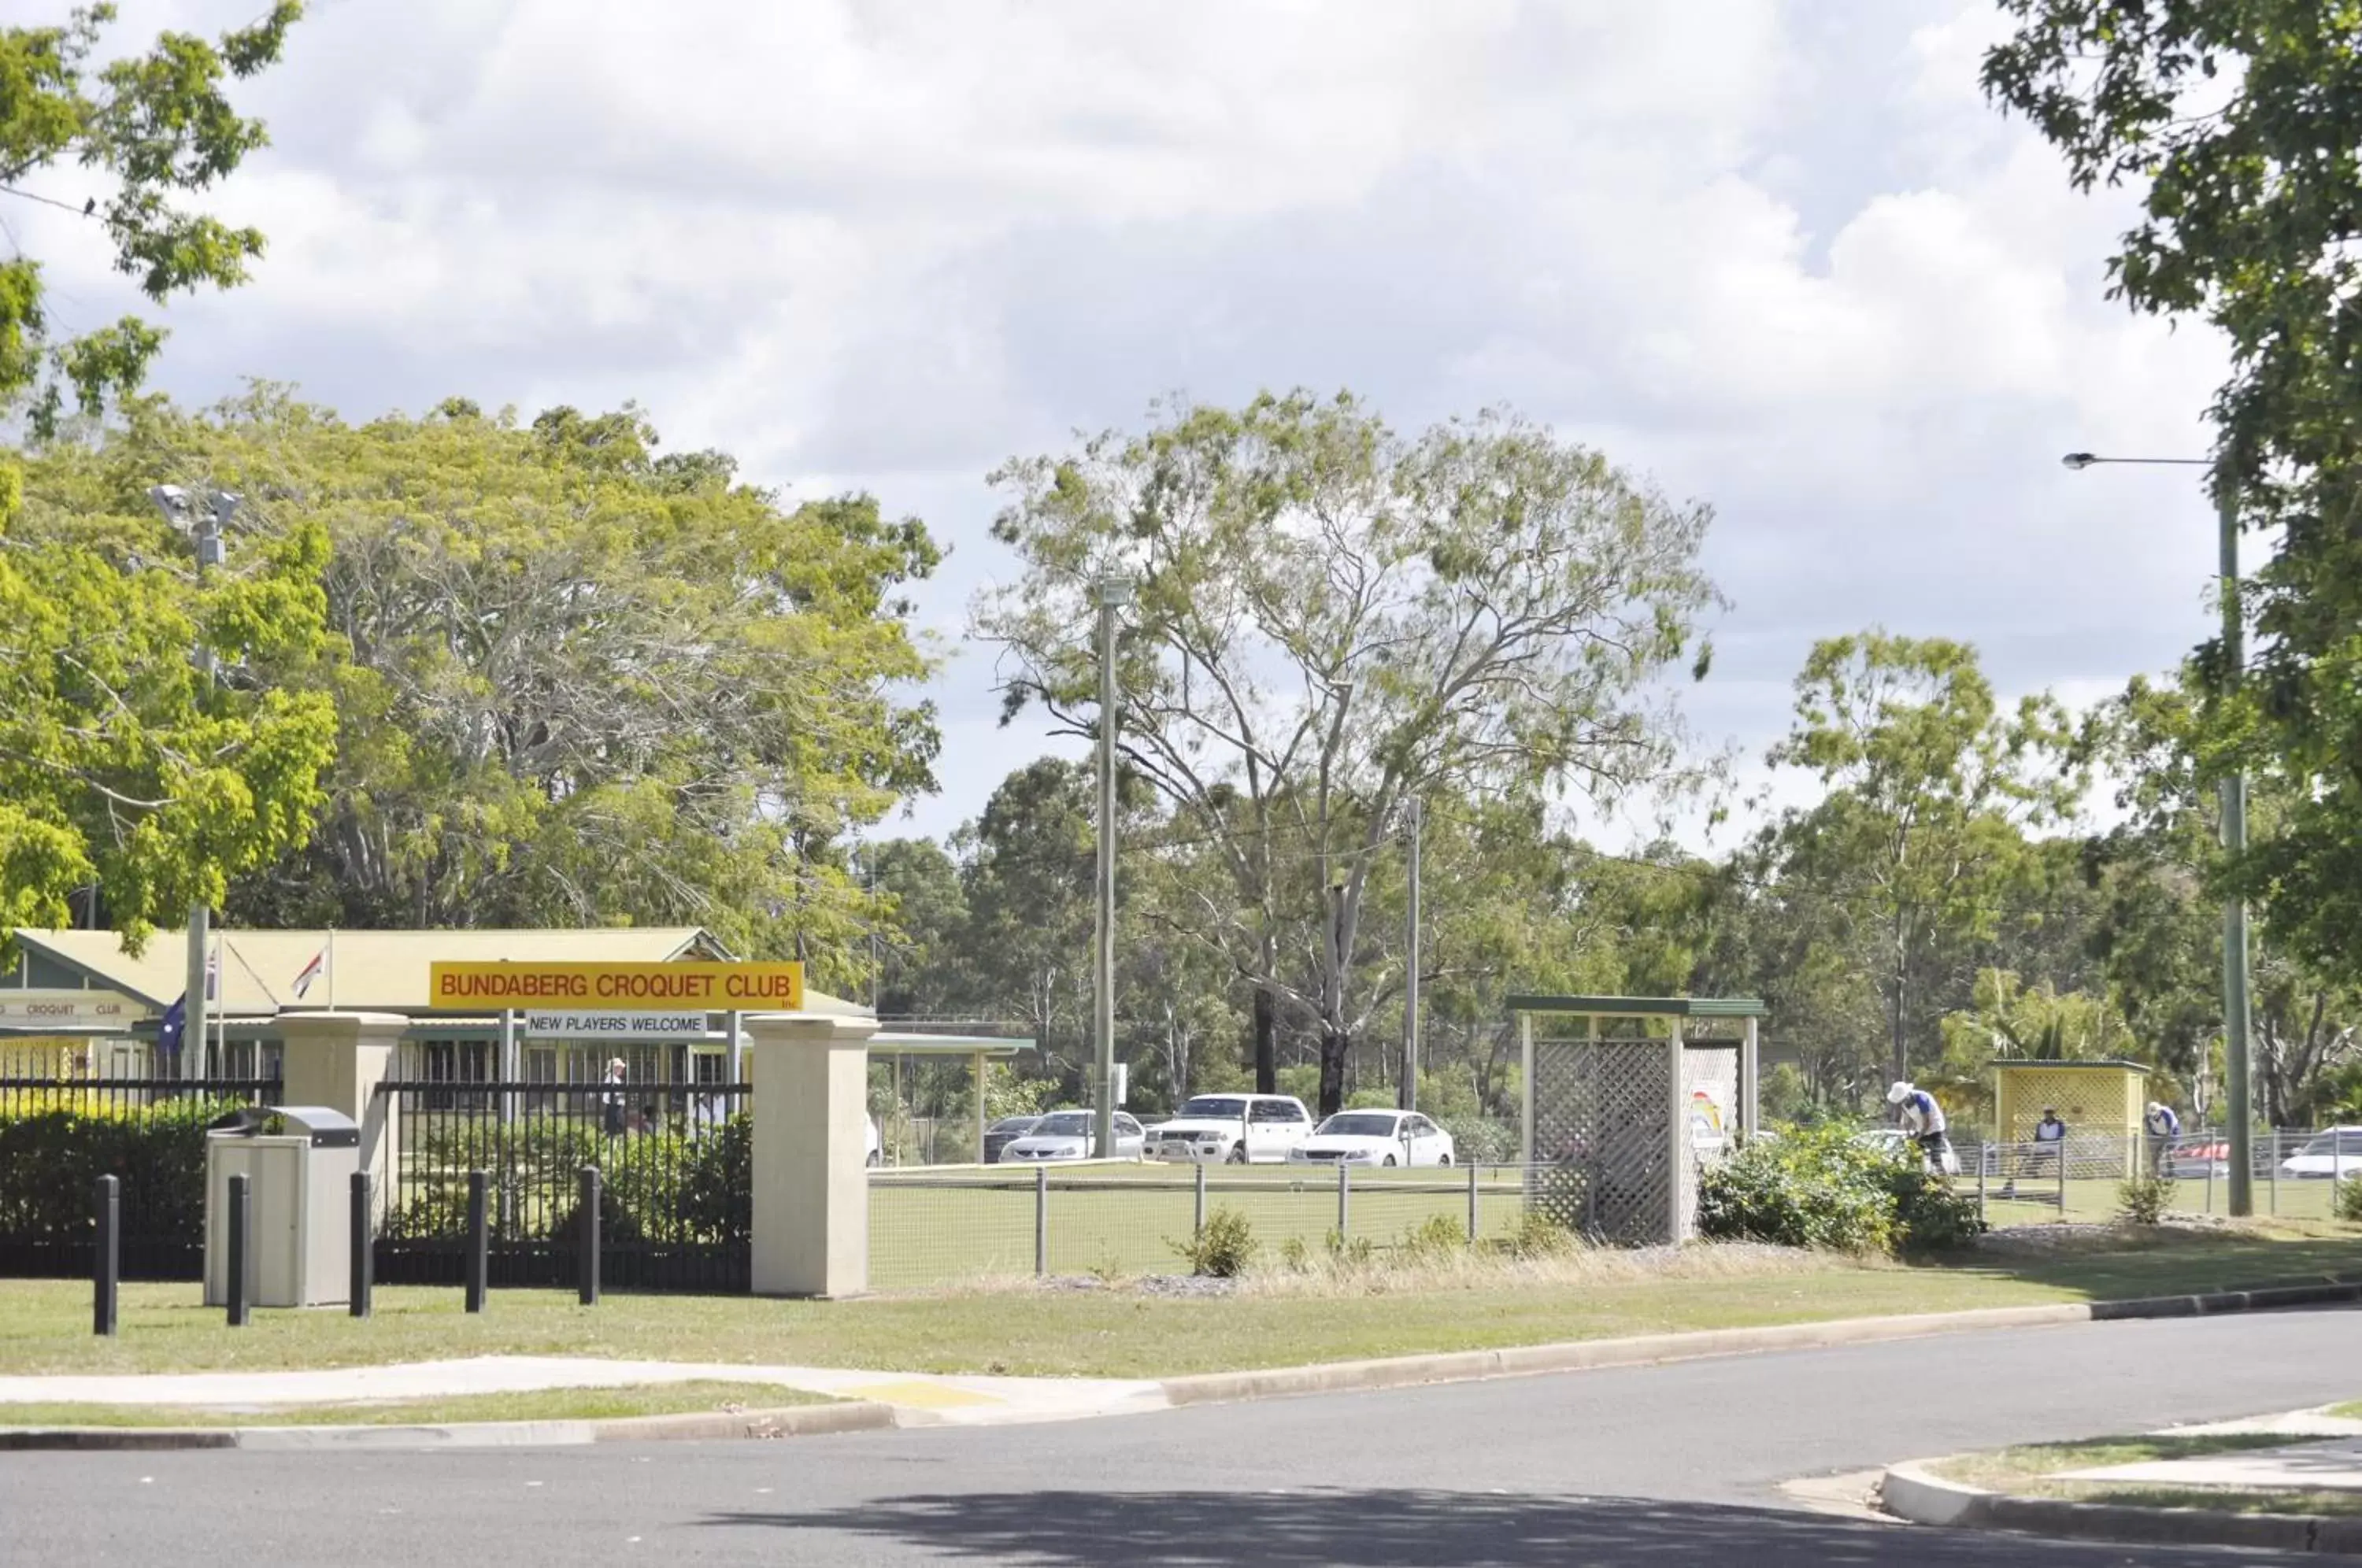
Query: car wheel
[(1237, 1156), (1445, 1161), (1390, 1159)]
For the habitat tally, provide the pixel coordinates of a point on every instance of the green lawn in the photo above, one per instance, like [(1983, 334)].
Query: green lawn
[(2028, 1472), (538, 1405), (44, 1325), (2090, 1199)]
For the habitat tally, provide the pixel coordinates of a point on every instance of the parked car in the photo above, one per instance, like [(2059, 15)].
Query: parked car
[(1374, 1138), (1067, 1135), (2196, 1158), (2331, 1154), (1232, 1129), (1886, 1140), (1003, 1132)]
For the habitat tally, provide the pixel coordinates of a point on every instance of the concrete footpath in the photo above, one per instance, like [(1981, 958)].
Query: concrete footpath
[(2323, 1455)]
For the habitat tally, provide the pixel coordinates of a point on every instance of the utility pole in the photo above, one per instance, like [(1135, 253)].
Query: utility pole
[(202, 518), (2235, 1043), (2237, 1055), (1114, 593), (1409, 1098)]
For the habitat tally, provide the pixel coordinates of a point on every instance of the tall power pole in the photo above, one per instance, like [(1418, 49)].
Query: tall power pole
[(203, 516), (1114, 593), (2235, 1062), (1409, 1098)]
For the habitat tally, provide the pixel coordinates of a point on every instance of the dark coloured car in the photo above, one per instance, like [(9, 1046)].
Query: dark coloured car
[(1003, 1132)]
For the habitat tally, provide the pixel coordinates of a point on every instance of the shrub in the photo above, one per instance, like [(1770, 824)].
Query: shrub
[(1536, 1236), (1814, 1189), (1436, 1240), (1223, 1249), (2145, 1199), (1353, 1252), (1480, 1141), (1295, 1256), (50, 1160), (1931, 1214), (2346, 1201)]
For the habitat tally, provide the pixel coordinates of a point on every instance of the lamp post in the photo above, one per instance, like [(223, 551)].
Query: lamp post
[(2235, 1053), (1113, 594)]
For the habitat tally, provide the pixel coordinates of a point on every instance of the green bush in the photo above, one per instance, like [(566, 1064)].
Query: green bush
[(1537, 1234), (2145, 1199), (2346, 1202), (1480, 1140), (50, 1162), (1222, 1250), (1817, 1187), (1437, 1238)]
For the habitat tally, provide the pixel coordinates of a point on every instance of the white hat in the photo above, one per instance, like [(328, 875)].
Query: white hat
[(618, 1062), (1897, 1091)]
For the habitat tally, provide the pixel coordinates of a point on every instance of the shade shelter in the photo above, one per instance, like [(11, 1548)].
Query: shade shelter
[(2101, 1102), (1624, 1099)]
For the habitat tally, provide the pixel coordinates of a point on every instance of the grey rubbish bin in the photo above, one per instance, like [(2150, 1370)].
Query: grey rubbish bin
[(298, 1161)]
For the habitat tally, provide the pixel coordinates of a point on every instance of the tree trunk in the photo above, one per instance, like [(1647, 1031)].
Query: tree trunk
[(1266, 1032), (1335, 1046)]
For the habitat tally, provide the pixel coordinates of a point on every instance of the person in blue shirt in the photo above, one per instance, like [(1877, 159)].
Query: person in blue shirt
[(2163, 1126), (1923, 1122)]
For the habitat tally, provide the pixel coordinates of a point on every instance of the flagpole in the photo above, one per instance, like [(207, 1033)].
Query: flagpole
[(332, 969), (209, 1018)]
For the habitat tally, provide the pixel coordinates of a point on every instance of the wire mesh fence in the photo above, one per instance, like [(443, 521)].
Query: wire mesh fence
[(2079, 1179), (676, 1209), (58, 1136), (929, 1228)]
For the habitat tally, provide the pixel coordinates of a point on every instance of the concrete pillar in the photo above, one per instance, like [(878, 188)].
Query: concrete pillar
[(338, 1059), (1751, 1086), (810, 1156)]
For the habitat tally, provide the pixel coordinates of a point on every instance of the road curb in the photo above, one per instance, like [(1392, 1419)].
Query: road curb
[(1649, 1350), (793, 1421), (1911, 1492)]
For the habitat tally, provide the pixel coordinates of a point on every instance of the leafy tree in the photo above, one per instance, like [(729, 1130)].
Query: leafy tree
[(1332, 620), (585, 683), (2239, 119), (923, 967), (1920, 842), (130, 780)]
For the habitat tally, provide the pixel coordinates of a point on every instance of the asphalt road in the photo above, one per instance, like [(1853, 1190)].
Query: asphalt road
[(1672, 1465)]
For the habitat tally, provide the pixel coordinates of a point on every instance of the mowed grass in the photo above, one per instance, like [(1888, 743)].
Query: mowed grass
[(1024, 1330), (537, 1405), (2031, 1470), (2094, 1199)]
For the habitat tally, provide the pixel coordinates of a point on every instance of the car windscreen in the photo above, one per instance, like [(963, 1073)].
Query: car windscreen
[(1073, 1124), (1362, 1125), (1015, 1124), (1215, 1105)]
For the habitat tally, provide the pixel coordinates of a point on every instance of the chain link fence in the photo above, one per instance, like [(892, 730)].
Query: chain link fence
[(1120, 1219), (2078, 1179)]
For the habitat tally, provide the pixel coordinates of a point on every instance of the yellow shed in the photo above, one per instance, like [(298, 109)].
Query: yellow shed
[(2102, 1103)]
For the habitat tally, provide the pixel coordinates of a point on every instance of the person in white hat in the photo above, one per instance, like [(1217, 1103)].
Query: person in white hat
[(1923, 1122), (611, 1102)]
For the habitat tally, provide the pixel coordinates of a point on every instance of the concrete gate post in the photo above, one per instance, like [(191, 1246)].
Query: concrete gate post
[(337, 1060), (810, 1154)]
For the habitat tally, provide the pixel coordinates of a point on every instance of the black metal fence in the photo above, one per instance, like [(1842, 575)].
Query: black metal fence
[(677, 1192), (58, 1135)]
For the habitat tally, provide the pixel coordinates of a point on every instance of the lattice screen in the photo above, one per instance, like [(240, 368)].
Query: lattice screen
[(1603, 1139)]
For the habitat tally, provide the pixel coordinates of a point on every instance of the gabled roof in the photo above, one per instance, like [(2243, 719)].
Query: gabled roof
[(372, 970)]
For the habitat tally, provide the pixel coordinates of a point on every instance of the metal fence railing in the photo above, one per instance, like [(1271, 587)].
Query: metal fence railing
[(1123, 1217), (58, 1135), (674, 1161), (2291, 1173)]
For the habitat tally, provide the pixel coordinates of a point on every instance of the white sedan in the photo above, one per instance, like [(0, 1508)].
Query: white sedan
[(1067, 1135), (2333, 1156), (1374, 1138)]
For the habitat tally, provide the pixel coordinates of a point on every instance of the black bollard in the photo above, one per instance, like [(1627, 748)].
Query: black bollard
[(106, 1259), (364, 1277), (238, 1218), (587, 1239), (478, 1242)]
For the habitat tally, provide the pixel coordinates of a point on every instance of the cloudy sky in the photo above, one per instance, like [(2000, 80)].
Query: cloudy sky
[(1777, 254)]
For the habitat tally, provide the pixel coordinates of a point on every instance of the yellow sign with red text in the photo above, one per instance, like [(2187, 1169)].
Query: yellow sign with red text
[(619, 988)]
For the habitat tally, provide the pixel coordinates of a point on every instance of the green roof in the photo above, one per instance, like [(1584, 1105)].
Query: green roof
[(1642, 1007)]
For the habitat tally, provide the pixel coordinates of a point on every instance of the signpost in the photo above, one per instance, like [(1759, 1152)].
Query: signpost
[(70, 1009), (616, 989), (653, 1026)]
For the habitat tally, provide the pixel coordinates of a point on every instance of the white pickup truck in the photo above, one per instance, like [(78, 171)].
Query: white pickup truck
[(1232, 1129)]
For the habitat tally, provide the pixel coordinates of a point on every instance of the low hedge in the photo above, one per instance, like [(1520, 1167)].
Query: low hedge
[(1818, 1188), (51, 1160)]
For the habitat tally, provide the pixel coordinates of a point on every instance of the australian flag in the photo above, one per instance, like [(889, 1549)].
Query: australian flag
[(169, 1032)]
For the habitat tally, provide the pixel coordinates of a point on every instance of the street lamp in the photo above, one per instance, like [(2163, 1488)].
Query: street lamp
[(2235, 830), (1112, 593)]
